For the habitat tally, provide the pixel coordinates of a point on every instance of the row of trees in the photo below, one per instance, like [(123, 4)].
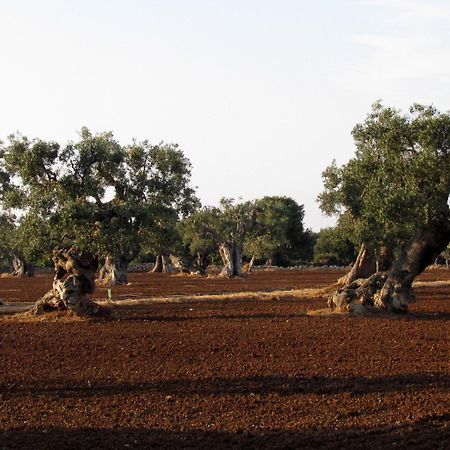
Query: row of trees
[(95, 200)]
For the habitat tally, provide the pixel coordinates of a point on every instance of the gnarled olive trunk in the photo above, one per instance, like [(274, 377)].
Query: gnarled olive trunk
[(20, 267), (231, 254), (162, 264), (392, 290), (187, 265), (180, 264), (364, 266), (73, 284), (114, 271), (397, 292)]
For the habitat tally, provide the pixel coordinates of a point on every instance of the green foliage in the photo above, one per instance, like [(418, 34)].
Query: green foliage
[(203, 231), (278, 232), (333, 245), (398, 182), (94, 193), (267, 227), (200, 231)]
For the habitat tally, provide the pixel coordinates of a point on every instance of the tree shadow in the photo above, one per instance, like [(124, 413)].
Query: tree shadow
[(431, 432), (252, 385)]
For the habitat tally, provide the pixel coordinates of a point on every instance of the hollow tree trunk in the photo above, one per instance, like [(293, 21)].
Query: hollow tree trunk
[(231, 254), (114, 272), (363, 267), (166, 266), (73, 284), (20, 267), (162, 264)]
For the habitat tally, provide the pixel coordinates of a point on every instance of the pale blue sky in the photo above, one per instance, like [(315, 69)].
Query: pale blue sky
[(260, 95)]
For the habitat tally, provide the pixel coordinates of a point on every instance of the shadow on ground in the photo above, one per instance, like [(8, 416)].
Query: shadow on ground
[(257, 385), (429, 433)]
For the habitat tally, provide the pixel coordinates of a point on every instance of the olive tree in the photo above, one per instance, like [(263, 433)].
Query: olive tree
[(92, 199), (200, 235), (277, 234), (396, 190), (221, 229)]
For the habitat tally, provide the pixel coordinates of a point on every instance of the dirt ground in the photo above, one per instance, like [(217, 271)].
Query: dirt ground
[(239, 373)]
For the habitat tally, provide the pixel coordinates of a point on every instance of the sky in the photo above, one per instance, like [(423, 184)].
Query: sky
[(261, 95)]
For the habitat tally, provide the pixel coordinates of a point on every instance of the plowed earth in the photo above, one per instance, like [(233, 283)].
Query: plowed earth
[(236, 373)]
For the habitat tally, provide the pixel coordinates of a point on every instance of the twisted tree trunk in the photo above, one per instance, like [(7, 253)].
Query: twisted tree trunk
[(392, 290), (73, 284), (20, 267), (397, 292), (364, 267), (231, 254), (114, 272)]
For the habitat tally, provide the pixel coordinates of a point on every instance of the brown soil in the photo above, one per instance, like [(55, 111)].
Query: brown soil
[(157, 284), (242, 373)]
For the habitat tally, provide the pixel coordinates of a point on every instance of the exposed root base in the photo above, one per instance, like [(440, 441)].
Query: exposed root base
[(105, 311)]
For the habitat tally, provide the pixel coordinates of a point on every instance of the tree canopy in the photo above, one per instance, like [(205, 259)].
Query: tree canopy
[(94, 194)]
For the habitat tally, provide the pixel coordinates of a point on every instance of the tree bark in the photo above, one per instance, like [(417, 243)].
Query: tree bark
[(73, 284), (363, 267), (231, 254), (114, 272), (20, 267), (385, 259)]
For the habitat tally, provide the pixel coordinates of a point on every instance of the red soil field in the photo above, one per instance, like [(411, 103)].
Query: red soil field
[(158, 284), (238, 373)]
